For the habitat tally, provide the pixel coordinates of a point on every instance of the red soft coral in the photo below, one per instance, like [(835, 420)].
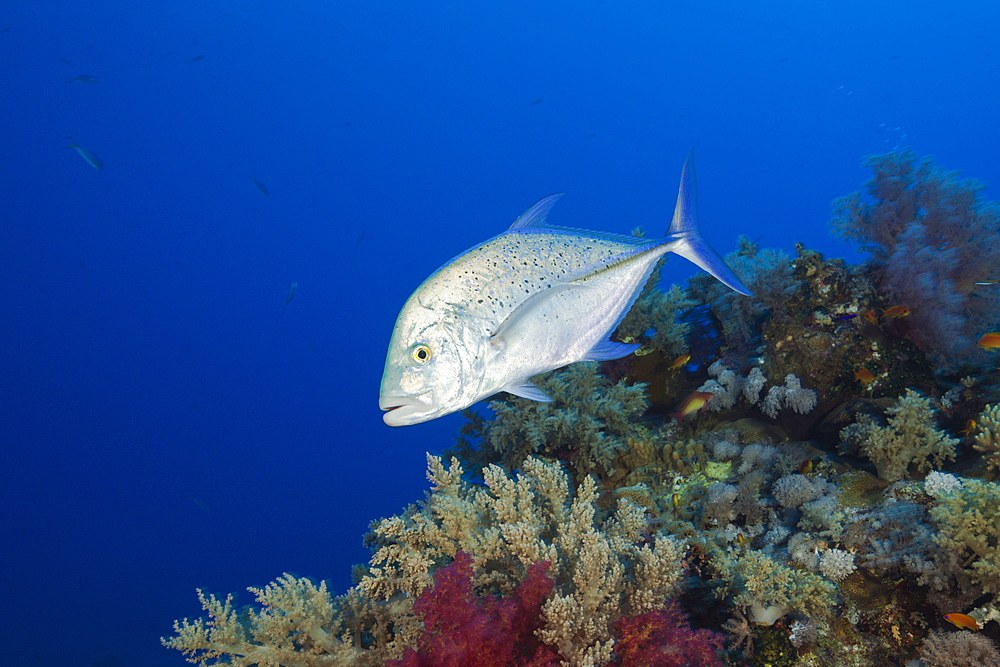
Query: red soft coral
[(462, 630), (665, 639)]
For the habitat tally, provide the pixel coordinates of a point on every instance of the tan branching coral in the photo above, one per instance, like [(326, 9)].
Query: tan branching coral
[(601, 569), (769, 589), (910, 439), (968, 530), (296, 626), (988, 438)]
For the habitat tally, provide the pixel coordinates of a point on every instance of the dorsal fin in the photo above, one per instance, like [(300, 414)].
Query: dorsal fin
[(535, 216)]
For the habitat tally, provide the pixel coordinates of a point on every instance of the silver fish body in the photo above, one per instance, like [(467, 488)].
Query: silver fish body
[(533, 299)]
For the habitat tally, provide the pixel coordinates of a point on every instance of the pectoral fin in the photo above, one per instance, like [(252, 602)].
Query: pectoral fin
[(511, 327), (529, 390)]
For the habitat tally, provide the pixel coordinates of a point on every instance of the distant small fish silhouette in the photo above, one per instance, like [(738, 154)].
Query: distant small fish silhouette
[(538, 101), (260, 186), (85, 78), (86, 154), (197, 58), (291, 293)]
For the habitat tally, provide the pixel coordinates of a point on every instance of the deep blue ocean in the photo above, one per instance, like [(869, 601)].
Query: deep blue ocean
[(168, 422)]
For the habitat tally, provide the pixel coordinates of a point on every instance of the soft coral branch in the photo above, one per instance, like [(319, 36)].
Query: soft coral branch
[(463, 630)]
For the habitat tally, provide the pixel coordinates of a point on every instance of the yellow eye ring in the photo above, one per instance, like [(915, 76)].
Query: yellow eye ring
[(420, 353)]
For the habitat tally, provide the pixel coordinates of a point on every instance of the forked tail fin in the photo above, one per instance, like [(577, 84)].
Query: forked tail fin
[(684, 229)]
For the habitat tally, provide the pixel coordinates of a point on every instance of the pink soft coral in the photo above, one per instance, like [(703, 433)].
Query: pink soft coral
[(463, 630), (665, 639)]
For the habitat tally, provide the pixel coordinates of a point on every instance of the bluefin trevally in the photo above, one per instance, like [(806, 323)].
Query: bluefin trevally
[(86, 154), (533, 299)]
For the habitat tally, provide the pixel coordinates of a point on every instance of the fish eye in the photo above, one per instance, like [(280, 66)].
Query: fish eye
[(420, 353)]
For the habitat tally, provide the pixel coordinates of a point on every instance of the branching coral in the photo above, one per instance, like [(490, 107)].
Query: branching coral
[(296, 626), (958, 649), (601, 569), (463, 630), (663, 638), (988, 438), (932, 239), (910, 440), (770, 589), (589, 421), (968, 528)]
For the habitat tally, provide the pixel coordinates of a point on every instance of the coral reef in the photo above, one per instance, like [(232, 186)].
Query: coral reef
[(769, 589), (597, 531)]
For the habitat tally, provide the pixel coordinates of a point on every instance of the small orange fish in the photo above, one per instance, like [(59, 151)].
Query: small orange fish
[(962, 621), (864, 376), (675, 500), (680, 361), (740, 540), (895, 312), (989, 341), (692, 404), (806, 467), (970, 426), (871, 317)]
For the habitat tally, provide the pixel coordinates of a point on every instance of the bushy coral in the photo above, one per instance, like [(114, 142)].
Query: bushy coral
[(770, 589), (938, 484), (968, 530), (931, 238), (836, 564), (988, 438), (910, 441), (958, 649), (663, 638), (463, 630), (588, 422), (297, 625), (602, 569)]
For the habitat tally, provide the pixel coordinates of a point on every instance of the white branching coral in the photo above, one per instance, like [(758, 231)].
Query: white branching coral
[(792, 395), (938, 484), (836, 564), (727, 387)]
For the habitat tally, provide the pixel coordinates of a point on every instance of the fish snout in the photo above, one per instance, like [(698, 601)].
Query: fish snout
[(406, 410)]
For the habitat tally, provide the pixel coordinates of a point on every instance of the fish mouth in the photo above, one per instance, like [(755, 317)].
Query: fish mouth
[(406, 410)]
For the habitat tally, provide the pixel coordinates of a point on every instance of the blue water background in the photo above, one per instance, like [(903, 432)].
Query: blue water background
[(165, 425)]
